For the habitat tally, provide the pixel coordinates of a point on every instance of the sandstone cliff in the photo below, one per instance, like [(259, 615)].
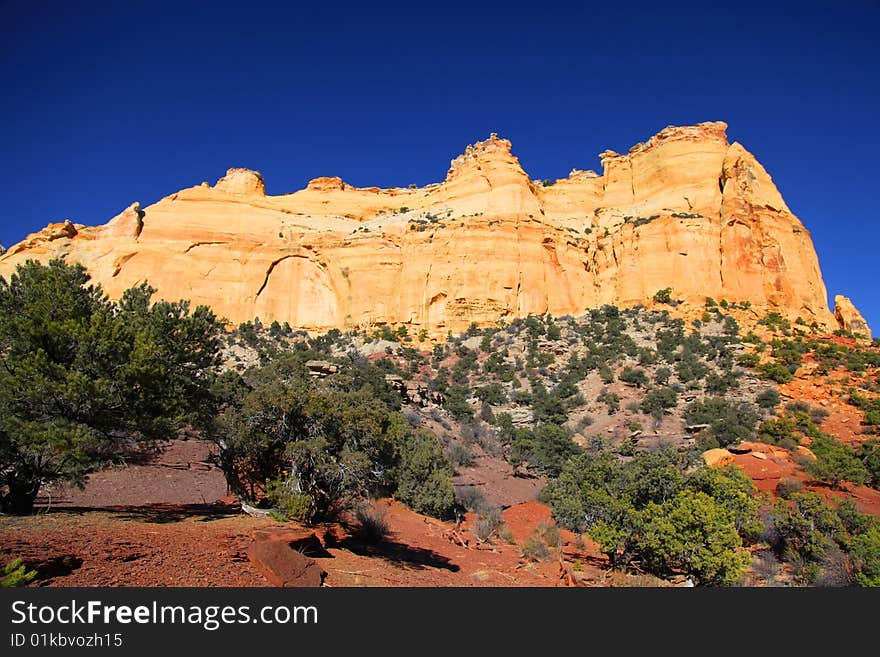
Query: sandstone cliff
[(685, 210)]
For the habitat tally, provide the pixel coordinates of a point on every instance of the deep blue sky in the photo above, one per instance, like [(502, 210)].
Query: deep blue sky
[(107, 103)]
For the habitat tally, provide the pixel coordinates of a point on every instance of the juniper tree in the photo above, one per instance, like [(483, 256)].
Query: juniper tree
[(82, 377)]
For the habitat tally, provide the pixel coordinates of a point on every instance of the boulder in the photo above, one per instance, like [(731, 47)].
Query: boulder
[(305, 541), (805, 452), (284, 566), (717, 458), (321, 368), (696, 428)]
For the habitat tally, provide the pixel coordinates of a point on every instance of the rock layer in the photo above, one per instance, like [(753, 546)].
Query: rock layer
[(685, 210)]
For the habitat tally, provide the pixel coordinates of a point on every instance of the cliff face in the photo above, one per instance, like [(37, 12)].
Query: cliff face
[(684, 210)]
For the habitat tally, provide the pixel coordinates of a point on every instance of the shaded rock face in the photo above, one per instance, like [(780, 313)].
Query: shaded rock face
[(685, 210), (849, 317)]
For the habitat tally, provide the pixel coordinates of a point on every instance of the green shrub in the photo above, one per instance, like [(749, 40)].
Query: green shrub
[(865, 552), (751, 338), (661, 376), (869, 454), (456, 403), (658, 400), (705, 441), (806, 530), (648, 511), (690, 368), (290, 503), (460, 455), (718, 384), (768, 398), (470, 498), (775, 372), (489, 524), (778, 430), (79, 371), (815, 537), (647, 356), (787, 486), (775, 321), (15, 573), (423, 475), (546, 447), (492, 393), (372, 522), (789, 353), (663, 296), (316, 449), (727, 422), (693, 533), (733, 489), (610, 399), (750, 359), (836, 462), (534, 549), (634, 376)]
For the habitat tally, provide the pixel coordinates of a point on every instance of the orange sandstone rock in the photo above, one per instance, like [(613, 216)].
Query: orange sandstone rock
[(684, 210), (848, 316), (717, 457)]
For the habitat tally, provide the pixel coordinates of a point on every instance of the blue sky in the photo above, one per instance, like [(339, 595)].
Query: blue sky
[(105, 103)]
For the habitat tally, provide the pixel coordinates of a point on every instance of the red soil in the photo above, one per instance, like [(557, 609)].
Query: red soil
[(844, 421), (180, 474), (166, 523), (766, 474)]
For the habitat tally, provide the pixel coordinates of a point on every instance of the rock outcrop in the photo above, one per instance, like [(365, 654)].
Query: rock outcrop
[(283, 565), (685, 210), (717, 458), (849, 317)]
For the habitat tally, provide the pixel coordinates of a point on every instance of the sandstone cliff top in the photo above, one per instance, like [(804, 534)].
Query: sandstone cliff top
[(245, 181), (242, 181), (706, 131)]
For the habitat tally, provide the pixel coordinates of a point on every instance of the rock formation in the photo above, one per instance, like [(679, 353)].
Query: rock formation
[(849, 317), (685, 210)]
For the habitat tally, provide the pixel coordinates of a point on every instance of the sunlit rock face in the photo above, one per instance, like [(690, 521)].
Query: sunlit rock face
[(685, 210), (849, 317)]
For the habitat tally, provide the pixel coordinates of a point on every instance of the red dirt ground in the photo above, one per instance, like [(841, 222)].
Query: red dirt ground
[(767, 473), (164, 545), (844, 421), (180, 474), (166, 523)]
